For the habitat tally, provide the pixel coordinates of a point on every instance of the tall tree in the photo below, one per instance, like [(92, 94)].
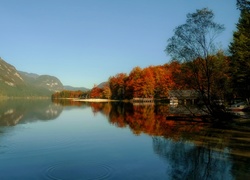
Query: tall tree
[(106, 92), (148, 84), (163, 80), (243, 5), (117, 85), (240, 50), (194, 43), (96, 92), (134, 83)]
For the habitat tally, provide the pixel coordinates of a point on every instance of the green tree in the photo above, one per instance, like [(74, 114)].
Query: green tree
[(240, 51), (243, 4), (194, 44)]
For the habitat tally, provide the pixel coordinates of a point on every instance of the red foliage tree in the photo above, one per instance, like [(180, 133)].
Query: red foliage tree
[(117, 85), (96, 92)]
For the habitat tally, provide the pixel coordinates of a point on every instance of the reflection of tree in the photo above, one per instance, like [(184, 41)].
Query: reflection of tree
[(104, 108), (188, 161), (239, 143), (194, 150), (150, 119), (67, 102), (141, 119), (117, 113), (15, 111)]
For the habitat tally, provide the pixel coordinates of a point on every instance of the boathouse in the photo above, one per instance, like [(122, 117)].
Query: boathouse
[(183, 96)]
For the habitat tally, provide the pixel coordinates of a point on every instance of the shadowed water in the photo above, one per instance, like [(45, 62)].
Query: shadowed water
[(66, 140)]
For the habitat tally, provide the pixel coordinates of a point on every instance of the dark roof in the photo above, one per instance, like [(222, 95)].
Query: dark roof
[(183, 94)]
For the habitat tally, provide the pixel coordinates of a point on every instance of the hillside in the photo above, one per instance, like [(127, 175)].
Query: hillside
[(9, 75), (50, 83), (15, 83), (101, 85), (70, 88)]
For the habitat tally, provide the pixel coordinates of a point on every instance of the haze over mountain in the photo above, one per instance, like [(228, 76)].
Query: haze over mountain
[(14, 83)]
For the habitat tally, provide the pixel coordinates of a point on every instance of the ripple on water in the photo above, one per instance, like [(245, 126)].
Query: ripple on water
[(30, 150), (78, 170)]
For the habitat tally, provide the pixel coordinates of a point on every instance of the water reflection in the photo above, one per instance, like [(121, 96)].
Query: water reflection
[(193, 150), (17, 111), (188, 161), (149, 119), (190, 150)]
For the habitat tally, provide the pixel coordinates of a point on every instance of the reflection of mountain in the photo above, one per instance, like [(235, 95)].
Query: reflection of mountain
[(17, 111)]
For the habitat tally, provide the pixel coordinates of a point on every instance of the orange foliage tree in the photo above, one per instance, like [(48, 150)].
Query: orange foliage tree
[(106, 92), (117, 85), (150, 82), (140, 83), (163, 80), (134, 83), (96, 92), (68, 94)]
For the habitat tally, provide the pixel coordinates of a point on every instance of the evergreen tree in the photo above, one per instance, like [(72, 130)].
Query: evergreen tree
[(240, 55), (243, 5)]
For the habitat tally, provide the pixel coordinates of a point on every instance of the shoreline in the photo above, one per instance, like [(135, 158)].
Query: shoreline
[(94, 100)]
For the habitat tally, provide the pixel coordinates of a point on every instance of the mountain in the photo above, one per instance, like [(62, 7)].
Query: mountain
[(9, 75), (28, 77), (71, 88), (101, 85), (15, 83), (50, 83)]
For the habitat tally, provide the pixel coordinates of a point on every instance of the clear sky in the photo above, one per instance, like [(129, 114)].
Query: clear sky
[(84, 42)]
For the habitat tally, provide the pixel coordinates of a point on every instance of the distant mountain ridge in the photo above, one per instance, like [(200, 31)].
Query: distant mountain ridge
[(43, 81), (101, 85), (14, 83), (71, 88), (9, 75)]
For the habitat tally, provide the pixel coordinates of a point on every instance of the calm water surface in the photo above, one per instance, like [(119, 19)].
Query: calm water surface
[(44, 140)]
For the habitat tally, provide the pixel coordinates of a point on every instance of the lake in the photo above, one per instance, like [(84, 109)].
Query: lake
[(72, 140)]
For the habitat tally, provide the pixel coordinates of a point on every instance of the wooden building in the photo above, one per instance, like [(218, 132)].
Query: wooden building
[(183, 96)]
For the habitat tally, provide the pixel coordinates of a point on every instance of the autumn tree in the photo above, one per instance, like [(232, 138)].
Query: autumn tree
[(219, 79), (117, 85), (106, 92), (134, 83), (178, 77), (140, 83), (96, 92), (163, 81), (68, 94), (148, 85), (194, 42)]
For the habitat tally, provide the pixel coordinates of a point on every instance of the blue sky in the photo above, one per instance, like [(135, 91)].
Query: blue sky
[(84, 42)]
